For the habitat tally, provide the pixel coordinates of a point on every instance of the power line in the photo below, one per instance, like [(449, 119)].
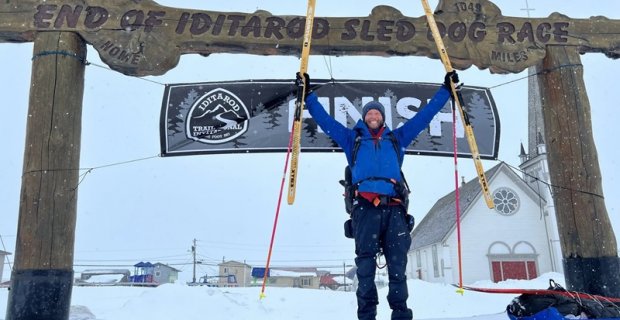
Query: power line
[(221, 244), (121, 162), (89, 170), (185, 262), (553, 185), (284, 263), (88, 63), (232, 245), (544, 71)]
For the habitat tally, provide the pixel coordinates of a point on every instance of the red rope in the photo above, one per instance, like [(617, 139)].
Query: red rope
[(456, 186), (275, 221)]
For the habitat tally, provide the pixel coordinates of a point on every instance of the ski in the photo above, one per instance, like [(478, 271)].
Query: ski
[(565, 293), (294, 138), (299, 104), (469, 132)]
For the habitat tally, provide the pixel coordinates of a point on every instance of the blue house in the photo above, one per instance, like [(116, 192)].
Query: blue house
[(158, 273)]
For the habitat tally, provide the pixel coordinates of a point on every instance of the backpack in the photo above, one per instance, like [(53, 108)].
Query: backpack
[(401, 188), (350, 189), (561, 306)]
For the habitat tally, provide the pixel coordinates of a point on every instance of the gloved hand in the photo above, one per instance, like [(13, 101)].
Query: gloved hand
[(450, 75), (299, 82)]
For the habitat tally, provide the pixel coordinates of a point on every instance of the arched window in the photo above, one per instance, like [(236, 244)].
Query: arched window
[(523, 247), (499, 248)]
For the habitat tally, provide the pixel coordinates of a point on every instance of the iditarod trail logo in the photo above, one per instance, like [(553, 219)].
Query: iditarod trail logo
[(217, 117)]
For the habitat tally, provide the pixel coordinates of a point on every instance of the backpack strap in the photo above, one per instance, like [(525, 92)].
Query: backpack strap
[(358, 141), (356, 147), (402, 188), (397, 149)]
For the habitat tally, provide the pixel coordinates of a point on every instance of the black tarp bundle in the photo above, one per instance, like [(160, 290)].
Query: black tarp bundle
[(562, 305)]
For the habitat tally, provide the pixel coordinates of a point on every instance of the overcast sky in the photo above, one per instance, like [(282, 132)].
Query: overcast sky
[(152, 209)]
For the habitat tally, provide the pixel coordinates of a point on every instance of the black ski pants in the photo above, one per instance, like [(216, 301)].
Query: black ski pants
[(383, 227)]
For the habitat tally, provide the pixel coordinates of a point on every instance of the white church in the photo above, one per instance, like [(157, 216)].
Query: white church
[(518, 239)]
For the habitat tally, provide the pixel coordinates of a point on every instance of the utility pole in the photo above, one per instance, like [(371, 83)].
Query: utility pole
[(344, 274), (194, 257)]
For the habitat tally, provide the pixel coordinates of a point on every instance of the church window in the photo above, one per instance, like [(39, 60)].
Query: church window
[(506, 201)]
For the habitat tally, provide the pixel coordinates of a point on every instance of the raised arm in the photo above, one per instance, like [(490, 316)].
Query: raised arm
[(338, 132), (329, 125), (412, 128)]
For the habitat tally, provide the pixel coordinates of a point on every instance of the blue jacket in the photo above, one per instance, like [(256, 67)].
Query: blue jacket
[(376, 160)]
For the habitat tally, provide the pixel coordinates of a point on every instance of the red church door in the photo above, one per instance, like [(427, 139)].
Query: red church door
[(504, 270)]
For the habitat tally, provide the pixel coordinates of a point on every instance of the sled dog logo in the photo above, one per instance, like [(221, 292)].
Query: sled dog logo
[(217, 117)]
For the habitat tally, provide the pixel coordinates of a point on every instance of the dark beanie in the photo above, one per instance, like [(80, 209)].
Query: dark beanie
[(373, 105)]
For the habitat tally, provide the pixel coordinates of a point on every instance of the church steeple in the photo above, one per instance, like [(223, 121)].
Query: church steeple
[(522, 154), (536, 127), (535, 167), (541, 148)]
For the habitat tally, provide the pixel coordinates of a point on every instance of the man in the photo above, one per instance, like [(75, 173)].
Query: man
[(379, 220)]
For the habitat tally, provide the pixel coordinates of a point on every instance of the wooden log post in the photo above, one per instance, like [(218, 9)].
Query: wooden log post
[(42, 278), (588, 242)]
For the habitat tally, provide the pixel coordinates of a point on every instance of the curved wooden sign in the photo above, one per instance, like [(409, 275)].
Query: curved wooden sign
[(141, 38)]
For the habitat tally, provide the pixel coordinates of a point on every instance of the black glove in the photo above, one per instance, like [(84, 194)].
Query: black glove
[(299, 82), (450, 75)]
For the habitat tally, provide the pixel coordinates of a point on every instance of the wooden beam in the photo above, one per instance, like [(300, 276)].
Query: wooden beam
[(144, 38), (43, 274), (588, 242)]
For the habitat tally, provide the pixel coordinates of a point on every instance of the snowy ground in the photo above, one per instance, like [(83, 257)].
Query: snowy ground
[(178, 301)]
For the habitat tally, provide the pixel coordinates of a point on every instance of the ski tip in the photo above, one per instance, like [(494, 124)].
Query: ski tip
[(460, 290), (291, 198), (261, 296)]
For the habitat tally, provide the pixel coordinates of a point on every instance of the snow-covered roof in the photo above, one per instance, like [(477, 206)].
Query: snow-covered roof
[(105, 279), (234, 263), (143, 264), (104, 271), (159, 264), (292, 274)]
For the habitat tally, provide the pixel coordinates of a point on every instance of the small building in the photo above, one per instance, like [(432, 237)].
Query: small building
[(293, 279), (163, 273), (234, 274), (335, 278), (158, 273), (143, 273), (328, 281), (308, 278), (335, 282)]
